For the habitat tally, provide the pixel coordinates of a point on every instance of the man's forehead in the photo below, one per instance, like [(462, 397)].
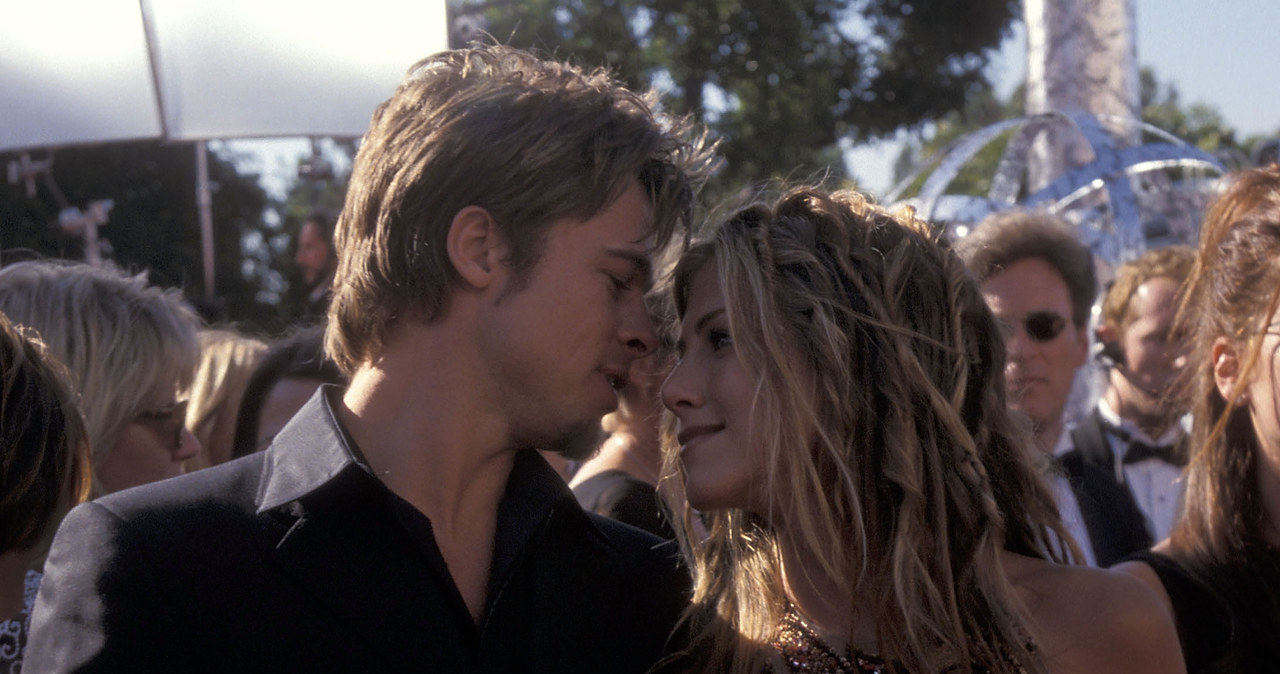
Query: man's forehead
[(1025, 286), (1158, 291)]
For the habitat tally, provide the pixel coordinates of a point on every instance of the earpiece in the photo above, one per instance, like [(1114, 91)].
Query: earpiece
[(1109, 354)]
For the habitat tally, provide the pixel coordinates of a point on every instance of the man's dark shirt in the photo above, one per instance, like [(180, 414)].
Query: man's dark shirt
[(298, 559)]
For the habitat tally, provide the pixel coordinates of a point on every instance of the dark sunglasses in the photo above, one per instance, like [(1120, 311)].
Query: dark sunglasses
[(1041, 326), (167, 421)]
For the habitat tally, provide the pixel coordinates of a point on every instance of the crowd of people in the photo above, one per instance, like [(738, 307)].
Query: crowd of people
[(549, 421)]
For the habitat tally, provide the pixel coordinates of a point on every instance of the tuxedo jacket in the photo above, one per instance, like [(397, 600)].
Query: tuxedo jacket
[(299, 560), (1116, 525)]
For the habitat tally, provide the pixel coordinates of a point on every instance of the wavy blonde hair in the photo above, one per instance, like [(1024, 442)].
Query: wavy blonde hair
[(878, 375), (227, 359)]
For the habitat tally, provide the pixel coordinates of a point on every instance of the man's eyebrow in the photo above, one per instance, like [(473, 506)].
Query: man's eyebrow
[(644, 266)]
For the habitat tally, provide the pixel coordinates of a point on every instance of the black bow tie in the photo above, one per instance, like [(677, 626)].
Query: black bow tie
[(1141, 451)]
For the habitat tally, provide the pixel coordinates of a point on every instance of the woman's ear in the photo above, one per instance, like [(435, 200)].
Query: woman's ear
[(475, 246), (1226, 368)]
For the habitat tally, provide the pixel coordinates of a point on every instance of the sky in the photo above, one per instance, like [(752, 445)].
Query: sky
[(1224, 53)]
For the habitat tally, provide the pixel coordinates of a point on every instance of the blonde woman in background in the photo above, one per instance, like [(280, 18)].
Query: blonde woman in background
[(841, 423), (227, 358), (129, 347)]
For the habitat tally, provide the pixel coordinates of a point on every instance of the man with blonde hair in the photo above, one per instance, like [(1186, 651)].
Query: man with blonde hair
[(493, 255), (1134, 433)]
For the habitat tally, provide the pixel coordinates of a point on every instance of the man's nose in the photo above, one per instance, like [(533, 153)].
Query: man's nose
[(637, 331)]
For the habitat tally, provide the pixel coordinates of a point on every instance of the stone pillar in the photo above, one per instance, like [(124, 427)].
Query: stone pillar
[(1081, 55)]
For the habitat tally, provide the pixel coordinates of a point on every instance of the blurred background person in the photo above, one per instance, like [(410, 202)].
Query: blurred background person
[(44, 470), (1038, 278), (1219, 572), (1135, 432), (285, 377), (317, 262), (129, 347), (621, 479), (871, 504), (227, 358)]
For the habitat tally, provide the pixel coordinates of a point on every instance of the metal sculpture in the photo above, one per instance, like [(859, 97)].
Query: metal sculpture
[(1124, 198)]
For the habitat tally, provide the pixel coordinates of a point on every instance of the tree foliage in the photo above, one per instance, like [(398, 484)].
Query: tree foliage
[(154, 223), (783, 82), (1199, 124)]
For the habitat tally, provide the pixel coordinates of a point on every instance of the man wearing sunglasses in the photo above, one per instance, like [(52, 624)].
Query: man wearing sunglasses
[(1038, 278), (1134, 433)]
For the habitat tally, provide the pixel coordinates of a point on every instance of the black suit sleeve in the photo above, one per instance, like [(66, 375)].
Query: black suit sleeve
[(99, 609)]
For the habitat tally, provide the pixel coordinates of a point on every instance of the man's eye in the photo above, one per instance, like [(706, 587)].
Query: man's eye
[(620, 284)]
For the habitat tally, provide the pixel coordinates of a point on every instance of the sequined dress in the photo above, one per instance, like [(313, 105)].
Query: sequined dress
[(13, 632), (803, 650)]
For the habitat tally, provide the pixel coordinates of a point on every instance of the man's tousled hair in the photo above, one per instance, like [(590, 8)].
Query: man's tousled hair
[(531, 141)]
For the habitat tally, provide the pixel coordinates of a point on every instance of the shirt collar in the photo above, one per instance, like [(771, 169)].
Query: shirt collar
[(1064, 443), (314, 448), (309, 451)]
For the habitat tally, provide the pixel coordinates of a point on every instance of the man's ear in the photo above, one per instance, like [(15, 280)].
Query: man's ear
[(475, 246), (1226, 367), (1081, 355)]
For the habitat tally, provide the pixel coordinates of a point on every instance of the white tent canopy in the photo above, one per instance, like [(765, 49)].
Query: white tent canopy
[(91, 71), (75, 72)]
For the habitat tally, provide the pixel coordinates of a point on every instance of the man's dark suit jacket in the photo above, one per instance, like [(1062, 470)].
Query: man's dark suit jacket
[(1116, 526), (298, 560)]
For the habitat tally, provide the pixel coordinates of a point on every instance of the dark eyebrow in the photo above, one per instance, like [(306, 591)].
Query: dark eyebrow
[(699, 326), (707, 318), (643, 265)]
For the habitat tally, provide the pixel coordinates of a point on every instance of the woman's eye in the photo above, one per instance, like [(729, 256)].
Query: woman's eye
[(719, 339)]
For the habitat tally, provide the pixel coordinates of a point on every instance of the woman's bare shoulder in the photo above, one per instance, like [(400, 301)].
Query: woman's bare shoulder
[(1094, 620)]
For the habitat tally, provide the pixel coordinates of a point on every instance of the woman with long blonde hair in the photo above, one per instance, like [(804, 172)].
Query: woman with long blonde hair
[(840, 424), (1219, 572)]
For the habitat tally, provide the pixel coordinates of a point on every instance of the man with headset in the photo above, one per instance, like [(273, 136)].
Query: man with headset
[(1134, 433)]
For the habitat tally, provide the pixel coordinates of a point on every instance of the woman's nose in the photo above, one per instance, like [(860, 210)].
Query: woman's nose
[(680, 390)]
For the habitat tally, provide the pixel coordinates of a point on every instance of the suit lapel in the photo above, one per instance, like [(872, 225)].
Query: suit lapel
[(1089, 438)]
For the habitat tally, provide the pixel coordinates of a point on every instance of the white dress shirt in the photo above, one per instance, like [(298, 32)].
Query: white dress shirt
[(1156, 485)]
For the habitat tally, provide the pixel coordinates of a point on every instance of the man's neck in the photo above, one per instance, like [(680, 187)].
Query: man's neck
[(428, 435), (1138, 409), (1047, 435)]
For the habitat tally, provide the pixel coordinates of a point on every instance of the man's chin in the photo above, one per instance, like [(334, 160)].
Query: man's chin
[(580, 442)]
